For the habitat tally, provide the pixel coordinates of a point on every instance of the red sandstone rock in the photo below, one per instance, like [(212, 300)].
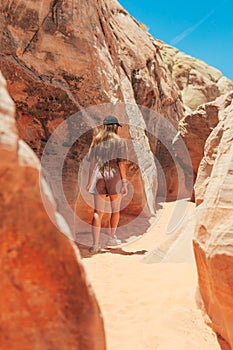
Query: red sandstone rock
[(59, 58), (199, 85), (213, 243), (57, 62), (198, 82), (224, 105), (194, 130), (46, 301)]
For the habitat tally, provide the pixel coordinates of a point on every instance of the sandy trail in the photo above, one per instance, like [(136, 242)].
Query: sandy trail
[(149, 306)]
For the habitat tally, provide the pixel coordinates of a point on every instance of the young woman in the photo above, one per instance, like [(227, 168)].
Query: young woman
[(107, 178)]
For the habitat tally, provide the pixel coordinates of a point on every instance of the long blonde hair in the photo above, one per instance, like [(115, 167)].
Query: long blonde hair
[(104, 144)]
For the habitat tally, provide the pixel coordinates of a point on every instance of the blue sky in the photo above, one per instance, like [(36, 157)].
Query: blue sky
[(202, 29)]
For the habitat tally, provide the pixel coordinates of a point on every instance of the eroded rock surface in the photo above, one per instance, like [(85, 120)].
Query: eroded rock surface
[(224, 107), (213, 243), (198, 82), (46, 301), (194, 130), (210, 226), (59, 58)]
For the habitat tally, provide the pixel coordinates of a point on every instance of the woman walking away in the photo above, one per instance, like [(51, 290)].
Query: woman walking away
[(107, 178)]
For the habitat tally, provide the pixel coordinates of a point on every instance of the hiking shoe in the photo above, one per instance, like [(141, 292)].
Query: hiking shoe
[(94, 249), (113, 241)]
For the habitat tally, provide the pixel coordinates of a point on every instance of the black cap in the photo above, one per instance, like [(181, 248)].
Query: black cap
[(111, 120)]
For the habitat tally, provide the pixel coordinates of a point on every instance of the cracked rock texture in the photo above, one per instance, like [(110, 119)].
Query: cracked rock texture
[(46, 301), (213, 243)]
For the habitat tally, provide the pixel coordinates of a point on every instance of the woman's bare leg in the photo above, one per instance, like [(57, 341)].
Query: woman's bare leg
[(99, 203), (115, 200)]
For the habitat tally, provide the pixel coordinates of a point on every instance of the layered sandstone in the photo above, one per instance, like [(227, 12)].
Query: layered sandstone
[(213, 243), (46, 301)]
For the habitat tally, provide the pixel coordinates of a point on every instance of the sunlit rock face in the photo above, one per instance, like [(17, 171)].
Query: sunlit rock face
[(46, 301), (213, 243), (200, 85), (198, 82), (194, 129), (60, 57)]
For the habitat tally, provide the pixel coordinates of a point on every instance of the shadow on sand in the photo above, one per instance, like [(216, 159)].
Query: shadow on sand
[(86, 254)]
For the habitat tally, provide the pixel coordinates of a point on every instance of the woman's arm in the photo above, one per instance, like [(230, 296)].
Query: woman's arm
[(91, 174), (122, 170)]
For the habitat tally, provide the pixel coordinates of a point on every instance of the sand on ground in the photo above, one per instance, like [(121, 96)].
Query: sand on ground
[(148, 306)]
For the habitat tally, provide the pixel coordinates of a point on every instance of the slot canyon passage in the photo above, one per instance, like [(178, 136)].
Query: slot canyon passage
[(64, 64)]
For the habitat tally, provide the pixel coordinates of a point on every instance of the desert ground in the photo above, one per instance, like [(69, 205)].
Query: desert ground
[(149, 305)]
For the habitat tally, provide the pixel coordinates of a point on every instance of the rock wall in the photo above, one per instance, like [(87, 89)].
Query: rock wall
[(213, 242), (46, 301), (200, 85), (198, 82), (194, 130), (59, 58), (206, 236)]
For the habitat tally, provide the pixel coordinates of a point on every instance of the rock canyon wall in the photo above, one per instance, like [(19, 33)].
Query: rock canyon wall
[(60, 58), (46, 301), (206, 234), (213, 243)]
